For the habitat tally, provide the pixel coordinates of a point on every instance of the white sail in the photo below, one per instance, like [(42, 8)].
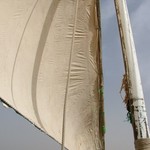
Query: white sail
[(49, 61)]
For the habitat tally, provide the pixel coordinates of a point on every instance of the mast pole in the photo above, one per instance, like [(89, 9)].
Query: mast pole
[(134, 98)]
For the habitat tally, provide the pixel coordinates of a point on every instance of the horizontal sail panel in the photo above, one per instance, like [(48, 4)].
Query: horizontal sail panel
[(49, 62)]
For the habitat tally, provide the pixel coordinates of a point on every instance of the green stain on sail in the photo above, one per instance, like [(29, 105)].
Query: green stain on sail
[(101, 91)]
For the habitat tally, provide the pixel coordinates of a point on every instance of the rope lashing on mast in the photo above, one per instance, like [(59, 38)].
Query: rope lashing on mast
[(125, 87), (142, 144), (126, 99)]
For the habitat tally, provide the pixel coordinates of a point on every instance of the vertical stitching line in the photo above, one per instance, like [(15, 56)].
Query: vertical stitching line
[(18, 52), (38, 58)]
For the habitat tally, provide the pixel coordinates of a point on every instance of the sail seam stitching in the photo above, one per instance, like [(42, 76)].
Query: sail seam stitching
[(39, 57), (19, 49)]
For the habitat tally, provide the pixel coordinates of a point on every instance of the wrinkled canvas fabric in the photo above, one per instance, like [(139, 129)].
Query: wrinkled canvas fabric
[(48, 57), (142, 144)]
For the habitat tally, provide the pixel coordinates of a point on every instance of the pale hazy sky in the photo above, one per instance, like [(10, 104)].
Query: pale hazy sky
[(18, 134)]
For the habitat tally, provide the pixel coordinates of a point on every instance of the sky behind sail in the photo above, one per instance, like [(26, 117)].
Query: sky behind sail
[(18, 134)]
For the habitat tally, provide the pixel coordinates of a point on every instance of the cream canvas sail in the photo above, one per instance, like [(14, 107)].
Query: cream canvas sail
[(49, 62)]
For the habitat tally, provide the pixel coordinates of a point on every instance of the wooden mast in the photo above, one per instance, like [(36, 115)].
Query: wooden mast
[(132, 82)]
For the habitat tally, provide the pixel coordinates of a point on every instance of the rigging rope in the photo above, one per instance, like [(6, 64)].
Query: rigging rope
[(68, 79)]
